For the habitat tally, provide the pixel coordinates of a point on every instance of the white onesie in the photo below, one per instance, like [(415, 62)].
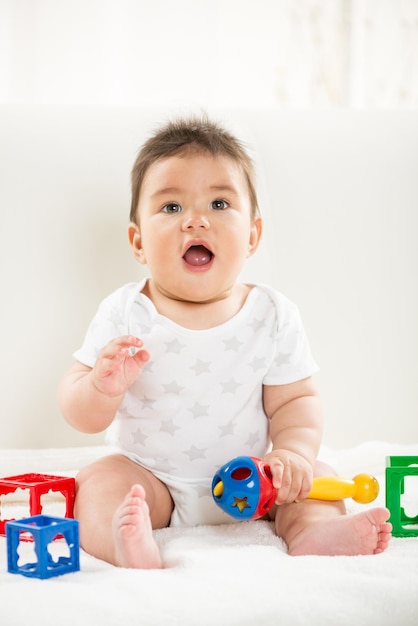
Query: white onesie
[(198, 401)]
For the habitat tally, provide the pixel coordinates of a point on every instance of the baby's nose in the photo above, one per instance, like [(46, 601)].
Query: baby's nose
[(196, 219)]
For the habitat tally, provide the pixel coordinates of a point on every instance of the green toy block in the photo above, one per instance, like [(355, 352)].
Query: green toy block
[(397, 467)]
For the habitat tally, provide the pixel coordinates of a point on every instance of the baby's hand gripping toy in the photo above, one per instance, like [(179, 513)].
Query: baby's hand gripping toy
[(243, 488)]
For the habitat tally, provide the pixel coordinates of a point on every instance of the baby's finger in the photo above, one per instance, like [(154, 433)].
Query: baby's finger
[(129, 341), (305, 489), (125, 344), (141, 357), (285, 487), (276, 469)]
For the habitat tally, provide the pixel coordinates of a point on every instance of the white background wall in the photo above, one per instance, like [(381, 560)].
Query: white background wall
[(344, 245), (281, 53)]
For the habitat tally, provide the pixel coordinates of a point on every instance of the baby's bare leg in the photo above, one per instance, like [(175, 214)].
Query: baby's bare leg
[(118, 503), (323, 528)]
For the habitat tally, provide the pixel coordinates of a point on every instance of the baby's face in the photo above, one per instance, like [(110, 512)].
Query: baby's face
[(195, 226)]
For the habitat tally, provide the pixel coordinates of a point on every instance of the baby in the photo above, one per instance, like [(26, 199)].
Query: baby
[(192, 367)]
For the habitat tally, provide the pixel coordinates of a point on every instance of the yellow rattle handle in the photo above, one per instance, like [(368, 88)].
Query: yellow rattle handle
[(364, 488)]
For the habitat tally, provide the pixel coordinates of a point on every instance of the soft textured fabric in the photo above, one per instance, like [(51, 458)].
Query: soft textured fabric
[(229, 575)]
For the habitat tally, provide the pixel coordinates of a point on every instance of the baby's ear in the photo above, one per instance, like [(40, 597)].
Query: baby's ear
[(136, 242), (255, 235)]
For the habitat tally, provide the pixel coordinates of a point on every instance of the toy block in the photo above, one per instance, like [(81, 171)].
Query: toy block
[(44, 530), (39, 485), (397, 468)]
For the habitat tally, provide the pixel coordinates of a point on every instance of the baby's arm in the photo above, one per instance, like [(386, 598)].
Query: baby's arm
[(89, 397), (295, 415)]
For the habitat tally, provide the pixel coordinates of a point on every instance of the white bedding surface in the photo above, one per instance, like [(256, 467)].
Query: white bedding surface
[(235, 574)]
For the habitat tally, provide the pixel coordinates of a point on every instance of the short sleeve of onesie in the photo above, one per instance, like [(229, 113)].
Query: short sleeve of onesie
[(292, 359), (109, 322)]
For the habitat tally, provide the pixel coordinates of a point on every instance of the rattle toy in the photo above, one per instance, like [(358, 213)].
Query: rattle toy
[(243, 488)]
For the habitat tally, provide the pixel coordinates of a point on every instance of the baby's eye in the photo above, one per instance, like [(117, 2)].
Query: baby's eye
[(219, 205), (171, 207)]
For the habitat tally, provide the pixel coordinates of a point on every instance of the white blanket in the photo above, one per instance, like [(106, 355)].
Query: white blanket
[(237, 574)]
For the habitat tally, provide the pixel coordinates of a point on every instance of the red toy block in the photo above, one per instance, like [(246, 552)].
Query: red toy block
[(38, 485)]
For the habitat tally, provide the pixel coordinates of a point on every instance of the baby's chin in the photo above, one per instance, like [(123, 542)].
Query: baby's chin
[(203, 299), (194, 294)]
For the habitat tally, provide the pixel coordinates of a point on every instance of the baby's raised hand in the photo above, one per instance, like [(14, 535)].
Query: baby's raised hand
[(118, 365), (291, 475)]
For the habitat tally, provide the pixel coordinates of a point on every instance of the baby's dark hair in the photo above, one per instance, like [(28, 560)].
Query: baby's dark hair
[(192, 135)]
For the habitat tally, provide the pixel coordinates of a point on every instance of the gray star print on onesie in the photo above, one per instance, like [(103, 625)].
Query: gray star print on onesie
[(198, 402)]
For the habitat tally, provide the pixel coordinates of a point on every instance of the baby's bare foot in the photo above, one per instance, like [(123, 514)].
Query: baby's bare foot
[(364, 533), (135, 546)]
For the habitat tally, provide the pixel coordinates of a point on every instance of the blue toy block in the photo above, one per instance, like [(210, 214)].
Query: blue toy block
[(43, 530)]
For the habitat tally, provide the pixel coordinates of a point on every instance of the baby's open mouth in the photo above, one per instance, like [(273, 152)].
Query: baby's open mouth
[(198, 255)]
